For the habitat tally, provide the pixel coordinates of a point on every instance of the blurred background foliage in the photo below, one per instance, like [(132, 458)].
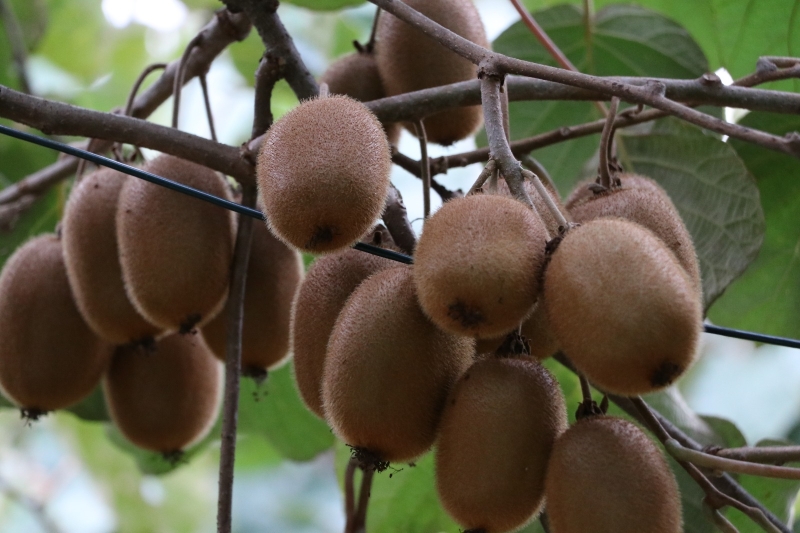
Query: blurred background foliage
[(74, 472)]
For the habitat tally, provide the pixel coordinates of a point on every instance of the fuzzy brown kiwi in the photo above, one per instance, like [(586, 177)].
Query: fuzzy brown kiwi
[(388, 370), (642, 200), (323, 174), (621, 307), (166, 400), (330, 281), (606, 476), (175, 251), (89, 238), (409, 61), (49, 357), (477, 265), (356, 75), (497, 431), (273, 276)]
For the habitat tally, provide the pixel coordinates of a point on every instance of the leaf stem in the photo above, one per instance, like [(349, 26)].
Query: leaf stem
[(729, 465), (425, 167), (606, 141)]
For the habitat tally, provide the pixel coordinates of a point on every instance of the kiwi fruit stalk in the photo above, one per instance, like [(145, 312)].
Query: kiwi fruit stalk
[(175, 251), (535, 329), (621, 307), (409, 60), (497, 432), (330, 280), (323, 174), (89, 238), (356, 75), (539, 204), (166, 400), (606, 476), (388, 370), (49, 357), (477, 265), (642, 200), (273, 276)]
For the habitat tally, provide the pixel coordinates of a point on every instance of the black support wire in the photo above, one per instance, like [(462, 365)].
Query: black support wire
[(242, 210)]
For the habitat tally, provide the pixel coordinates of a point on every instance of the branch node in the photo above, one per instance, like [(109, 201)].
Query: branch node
[(709, 79)]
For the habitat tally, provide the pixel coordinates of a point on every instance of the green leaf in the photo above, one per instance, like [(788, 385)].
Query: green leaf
[(403, 499), (731, 436), (325, 5), (274, 409), (626, 41), (715, 195), (777, 495), (767, 297)]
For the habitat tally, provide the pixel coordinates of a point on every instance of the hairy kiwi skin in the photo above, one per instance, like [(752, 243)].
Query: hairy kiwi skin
[(167, 400), (330, 281), (497, 431), (388, 369), (409, 61), (89, 238), (606, 476), (356, 75), (643, 201), (475, 275), (323, 174), (273, 276), (175, 251), (621, 307), (49, 357)]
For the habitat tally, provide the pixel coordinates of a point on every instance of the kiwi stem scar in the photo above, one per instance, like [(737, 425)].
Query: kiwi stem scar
[(254, 213)]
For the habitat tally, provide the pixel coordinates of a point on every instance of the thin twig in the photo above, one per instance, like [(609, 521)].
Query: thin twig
[(485, 174), (349, 492), (729, 465), (178, 81), (234, 311), (761, 454), (360, 520), (370, 46), (412, 167), (722, 523), (138, 84), (504, 110), (16, 40), (606, 139), (207, 101), (537, 168), (268, 73), (552, 206), (425, 167)]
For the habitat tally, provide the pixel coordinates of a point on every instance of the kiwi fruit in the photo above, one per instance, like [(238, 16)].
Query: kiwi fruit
[(606, 476), (89, 238), (388, 370), (328, 284), (49, 357), (175, 250), (477, 265), (621, 307), (409, 60), (641, 200), (273, 276), (356, 75), (497, 432), (323, 174), (166, 400)]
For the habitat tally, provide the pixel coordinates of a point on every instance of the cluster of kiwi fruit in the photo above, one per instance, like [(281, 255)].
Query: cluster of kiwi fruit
[(117, 295)]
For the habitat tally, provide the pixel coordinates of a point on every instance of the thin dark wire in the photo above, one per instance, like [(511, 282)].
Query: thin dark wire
[(242, 210)]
